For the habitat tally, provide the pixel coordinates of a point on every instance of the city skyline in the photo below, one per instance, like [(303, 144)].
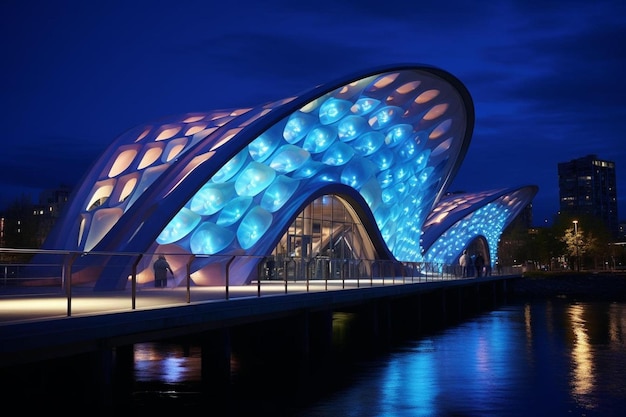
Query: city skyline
[(546, 82)]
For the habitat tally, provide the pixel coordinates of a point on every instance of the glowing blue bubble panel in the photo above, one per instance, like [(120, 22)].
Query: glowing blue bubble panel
[(230, 182), (387, 137), (460, 219)]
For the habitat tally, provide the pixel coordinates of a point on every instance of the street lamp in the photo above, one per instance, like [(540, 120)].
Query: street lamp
[(576, 237)]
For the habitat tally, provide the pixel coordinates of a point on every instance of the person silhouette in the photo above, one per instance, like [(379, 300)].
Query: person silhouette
[(161, 266), (479, 263), (464, 262)]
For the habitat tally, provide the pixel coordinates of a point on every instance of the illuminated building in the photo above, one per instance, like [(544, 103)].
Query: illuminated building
[(587, 186), (354, 170)]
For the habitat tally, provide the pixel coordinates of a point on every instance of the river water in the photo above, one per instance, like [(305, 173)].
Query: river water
[(534, 358)]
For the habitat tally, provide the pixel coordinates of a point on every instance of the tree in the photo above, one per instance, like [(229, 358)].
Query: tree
[(575, 242), (595, 248), (546, 248), (599, 240)]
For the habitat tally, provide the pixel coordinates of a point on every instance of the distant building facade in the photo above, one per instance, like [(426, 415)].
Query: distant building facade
[(26, 224), (48, 210), (588, 186), (622, 231)]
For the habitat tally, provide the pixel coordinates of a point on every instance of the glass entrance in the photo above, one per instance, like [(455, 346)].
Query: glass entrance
[(326, 241)]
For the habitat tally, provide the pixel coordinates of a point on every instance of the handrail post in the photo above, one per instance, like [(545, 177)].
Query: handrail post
[(307, 274), (134, 281), (188, 278), (228, 275), (383, 268), (67, 272), (328, 274), (285, 275), (259, 273)]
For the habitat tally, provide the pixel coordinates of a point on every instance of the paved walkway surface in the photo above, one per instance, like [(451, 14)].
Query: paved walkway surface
[(42, 303)]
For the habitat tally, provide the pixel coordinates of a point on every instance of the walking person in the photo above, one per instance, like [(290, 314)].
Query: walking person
[(479, 263), (161, 266), (464, 261)]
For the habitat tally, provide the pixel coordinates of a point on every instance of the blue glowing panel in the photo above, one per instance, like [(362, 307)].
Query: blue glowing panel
[(487, 222), (234, 211), (180, 226), (298, 126), (231, 168), (351, 128), (399, 134), (212, 198), (263, 146), (385, 118), (368, 143), (255, 178), (277, 194), (365, 105), (288, 158), (253, 227), (357, 172), (338, 154), (309, 169), (389, 196), (232, 181), (333, 110), (384, 159), (371, 192), (459, 219), (319, 139), (210, 239)]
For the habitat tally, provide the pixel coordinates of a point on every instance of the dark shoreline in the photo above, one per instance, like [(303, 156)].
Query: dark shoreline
[(578, 286)]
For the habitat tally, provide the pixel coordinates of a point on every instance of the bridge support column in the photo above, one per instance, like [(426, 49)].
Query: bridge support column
[(419, 313), (381, 321), (215, 362), (320, 333), (477, 296), (444, 307), (102, 363), (123, 376)]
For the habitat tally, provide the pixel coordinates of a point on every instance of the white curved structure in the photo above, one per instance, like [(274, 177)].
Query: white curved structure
[(227, 185)]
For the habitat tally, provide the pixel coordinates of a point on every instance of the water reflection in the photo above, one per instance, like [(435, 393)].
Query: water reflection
[(168, 363), (582, 357), (617, 325), (550, 357)]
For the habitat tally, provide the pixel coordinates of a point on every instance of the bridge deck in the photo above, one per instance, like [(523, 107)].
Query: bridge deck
[(36, 323)]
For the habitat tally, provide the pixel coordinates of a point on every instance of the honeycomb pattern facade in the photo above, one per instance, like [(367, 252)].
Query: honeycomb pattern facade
[(229, 182)]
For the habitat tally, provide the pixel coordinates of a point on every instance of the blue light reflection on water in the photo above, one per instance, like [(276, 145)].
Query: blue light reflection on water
[(545, 358), (541, 359), (167, 363)]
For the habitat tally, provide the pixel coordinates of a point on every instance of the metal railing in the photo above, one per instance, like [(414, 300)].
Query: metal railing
[(69, 279)]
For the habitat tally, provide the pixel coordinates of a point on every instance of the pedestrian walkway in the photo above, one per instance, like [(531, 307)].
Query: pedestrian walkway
[(47, 323), (41, 303)]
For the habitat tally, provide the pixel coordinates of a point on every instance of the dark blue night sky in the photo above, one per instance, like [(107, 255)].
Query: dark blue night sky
[(546, 77)]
